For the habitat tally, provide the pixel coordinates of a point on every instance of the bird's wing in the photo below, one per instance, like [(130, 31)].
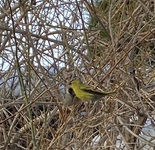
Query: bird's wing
[(85, 87), (90, 90)]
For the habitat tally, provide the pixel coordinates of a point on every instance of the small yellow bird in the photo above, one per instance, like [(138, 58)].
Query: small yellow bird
[(87, 93)]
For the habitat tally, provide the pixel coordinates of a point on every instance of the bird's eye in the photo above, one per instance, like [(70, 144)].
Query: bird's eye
[(71, 92)]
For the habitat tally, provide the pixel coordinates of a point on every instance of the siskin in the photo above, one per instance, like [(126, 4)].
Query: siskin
[(87, 93)]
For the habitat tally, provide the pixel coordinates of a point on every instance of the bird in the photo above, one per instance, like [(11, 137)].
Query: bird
[(86, 93)]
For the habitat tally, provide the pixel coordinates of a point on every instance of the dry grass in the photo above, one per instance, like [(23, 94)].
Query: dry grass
[(116, 52)]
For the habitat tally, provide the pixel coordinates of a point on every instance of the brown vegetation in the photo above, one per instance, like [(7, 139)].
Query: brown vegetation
[(109, 45)]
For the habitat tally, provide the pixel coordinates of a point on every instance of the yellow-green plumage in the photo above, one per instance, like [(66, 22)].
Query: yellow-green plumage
[(85, 92)]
